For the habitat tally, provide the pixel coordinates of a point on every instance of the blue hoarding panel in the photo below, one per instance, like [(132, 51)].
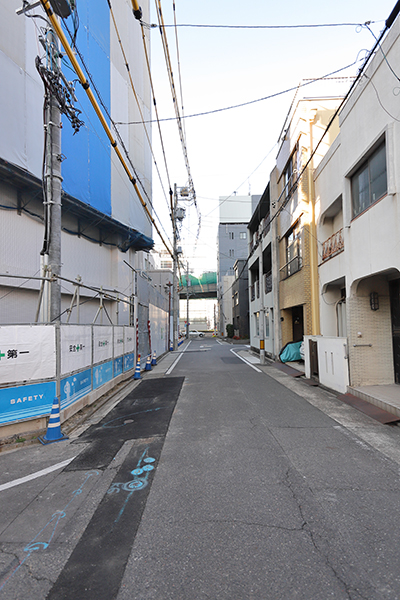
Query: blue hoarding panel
[(75, 387), (129, 361), (87, 168), (118, 365), (102, 373), (26, 401)]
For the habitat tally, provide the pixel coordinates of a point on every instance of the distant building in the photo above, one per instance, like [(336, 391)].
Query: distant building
[(234, 215), (259, 266), (240, 300)]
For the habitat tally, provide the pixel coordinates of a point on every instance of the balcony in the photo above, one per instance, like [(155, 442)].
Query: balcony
[(333, 245)]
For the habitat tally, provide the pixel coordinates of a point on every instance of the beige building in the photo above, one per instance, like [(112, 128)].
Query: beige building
[(294, 252)]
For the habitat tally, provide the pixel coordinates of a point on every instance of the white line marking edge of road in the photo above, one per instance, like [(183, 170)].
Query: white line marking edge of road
[(246, 361), (61, 465), (172, 367)]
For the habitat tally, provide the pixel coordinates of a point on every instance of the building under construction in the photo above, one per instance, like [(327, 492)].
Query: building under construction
[(75, 200)]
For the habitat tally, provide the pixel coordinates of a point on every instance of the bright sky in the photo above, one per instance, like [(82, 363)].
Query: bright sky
[(235, 150)]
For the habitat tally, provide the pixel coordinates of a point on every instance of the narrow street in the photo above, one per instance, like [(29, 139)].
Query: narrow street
[(212, 478)]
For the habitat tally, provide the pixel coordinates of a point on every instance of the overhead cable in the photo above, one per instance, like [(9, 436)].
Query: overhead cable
[(299, 26), (178, 117), (276, 94), (135, 95)]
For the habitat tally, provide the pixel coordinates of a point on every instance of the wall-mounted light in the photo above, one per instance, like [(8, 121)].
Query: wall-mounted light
[(374, 300)]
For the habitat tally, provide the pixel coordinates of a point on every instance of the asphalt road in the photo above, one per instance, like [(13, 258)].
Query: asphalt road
[(217, 480)]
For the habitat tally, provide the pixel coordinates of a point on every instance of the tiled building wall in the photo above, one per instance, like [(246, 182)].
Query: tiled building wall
[(370, 364)]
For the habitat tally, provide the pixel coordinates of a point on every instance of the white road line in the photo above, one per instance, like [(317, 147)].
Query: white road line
[(172, 367), (11, 484), (246, 361)]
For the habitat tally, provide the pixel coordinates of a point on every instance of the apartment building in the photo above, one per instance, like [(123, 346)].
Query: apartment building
[(294, 247), (358, 229)]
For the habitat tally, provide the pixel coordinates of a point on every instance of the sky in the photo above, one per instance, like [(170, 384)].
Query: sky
[(234, 150)]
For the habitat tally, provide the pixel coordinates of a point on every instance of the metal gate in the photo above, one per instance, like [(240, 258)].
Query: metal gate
[(313, 347)]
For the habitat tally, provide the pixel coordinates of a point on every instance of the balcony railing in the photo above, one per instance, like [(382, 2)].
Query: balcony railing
[(291, 267), (268, 282), (333, 245)]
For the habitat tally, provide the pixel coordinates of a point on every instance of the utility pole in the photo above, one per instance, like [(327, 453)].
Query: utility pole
[(53, 183), (58, 98), (175, 298), (187, 300)]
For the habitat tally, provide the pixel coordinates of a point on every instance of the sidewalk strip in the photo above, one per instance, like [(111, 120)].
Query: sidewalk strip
[(10, 484), (246, 361)]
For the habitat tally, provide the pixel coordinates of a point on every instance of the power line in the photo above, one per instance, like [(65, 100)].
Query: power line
[(298, 26), (233, 106), (135, 95), (178, 117)]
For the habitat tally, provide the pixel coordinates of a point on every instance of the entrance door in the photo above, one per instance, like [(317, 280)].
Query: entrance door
[(297, 320), (394, 287)]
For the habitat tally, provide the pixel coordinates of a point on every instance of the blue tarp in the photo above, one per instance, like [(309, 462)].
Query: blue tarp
[(290, 352)]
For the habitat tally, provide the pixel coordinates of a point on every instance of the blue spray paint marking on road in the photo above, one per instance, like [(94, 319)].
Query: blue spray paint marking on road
[(51, 527), (137, 483), (139, 412)]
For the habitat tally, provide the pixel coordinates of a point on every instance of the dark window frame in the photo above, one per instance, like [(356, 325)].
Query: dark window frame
[(369, 183)]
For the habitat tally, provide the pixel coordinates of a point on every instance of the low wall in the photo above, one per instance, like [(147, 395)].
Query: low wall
[(332, 361)]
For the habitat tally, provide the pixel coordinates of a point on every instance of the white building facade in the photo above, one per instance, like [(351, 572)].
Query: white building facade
[(357, 206)]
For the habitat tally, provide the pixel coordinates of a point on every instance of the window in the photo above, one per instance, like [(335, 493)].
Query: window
[(231, 253), (267, 323), (257, 322), (290, 174), (231, 235), (242, 235), (293, 251), (369, 183)]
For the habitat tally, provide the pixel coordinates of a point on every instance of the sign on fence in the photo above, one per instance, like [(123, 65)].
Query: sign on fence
[(27, 352)]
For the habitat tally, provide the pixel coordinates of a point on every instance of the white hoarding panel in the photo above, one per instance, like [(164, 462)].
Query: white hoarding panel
[(76, 347), (118, 341), (129, 340), (102, 343), (159, 330), (27, 352)]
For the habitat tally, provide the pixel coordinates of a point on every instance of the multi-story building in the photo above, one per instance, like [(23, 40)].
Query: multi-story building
[(62, 185), (103, 224), (359, 232), (240, 300), (293, 217), (261, 300), (234, 215)]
